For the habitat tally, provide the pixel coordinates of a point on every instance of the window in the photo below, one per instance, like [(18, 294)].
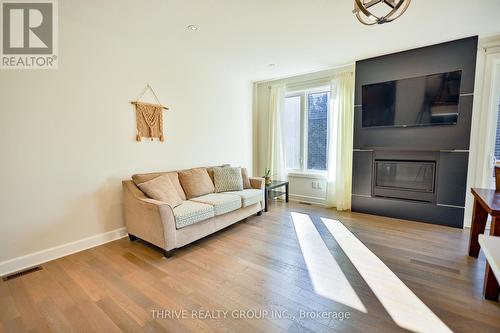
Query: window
[(317, 130), (305, 130)]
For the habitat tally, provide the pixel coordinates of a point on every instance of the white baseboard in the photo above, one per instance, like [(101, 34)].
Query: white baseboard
[(19, 263), (307, 199)]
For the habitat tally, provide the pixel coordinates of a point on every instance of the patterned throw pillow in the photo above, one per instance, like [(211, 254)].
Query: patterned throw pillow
[(228, 179), (210, 170)]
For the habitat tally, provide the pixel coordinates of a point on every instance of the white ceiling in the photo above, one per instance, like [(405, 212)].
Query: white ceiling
[(308, 35), (244, 36)]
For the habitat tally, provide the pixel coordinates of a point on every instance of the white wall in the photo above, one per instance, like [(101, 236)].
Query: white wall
[(67, 135), (301, 188), (308, 189)]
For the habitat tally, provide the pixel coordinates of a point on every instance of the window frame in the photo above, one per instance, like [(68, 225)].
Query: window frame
[(304, 123)]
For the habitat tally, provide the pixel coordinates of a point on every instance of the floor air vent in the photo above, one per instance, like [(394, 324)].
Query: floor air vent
[(305, 203), (21, 273)]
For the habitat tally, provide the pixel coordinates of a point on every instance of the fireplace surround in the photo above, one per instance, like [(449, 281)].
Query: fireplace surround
[(415, 173)]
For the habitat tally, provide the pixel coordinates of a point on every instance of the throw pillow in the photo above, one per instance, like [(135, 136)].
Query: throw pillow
[(174, 178), (228, 179), (210, 170), (196, 182), (161, 189), (246, 180)]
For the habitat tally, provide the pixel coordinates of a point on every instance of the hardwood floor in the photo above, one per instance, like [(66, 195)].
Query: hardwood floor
[(253, 265)]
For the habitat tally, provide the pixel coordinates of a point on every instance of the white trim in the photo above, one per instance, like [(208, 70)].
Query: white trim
[(32, 259), (450, 206), (488, 43), (305, 174), (307, 199), (453, 151), (362, 195)]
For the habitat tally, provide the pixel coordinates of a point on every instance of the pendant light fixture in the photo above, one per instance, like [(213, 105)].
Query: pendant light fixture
[(365, 10)]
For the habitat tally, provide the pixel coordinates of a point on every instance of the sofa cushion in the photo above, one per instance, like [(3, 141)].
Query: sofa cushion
[(246, 179), (228, 179), (174, 178), (190, 212), (249, 196), (196, 182), (222, 202), (161, 189)]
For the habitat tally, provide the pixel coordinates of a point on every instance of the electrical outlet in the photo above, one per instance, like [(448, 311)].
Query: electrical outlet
[(316, 185)]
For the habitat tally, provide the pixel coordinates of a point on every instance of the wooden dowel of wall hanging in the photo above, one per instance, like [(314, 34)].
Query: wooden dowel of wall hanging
[(153, 104)]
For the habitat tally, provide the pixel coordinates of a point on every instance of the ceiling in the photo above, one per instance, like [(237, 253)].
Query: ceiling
[(299, 36)]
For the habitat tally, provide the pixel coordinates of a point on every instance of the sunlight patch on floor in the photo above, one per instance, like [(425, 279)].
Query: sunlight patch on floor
[(327, 277), (404, 307)]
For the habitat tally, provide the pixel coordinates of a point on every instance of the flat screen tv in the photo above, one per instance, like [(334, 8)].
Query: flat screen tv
[(418, 101)]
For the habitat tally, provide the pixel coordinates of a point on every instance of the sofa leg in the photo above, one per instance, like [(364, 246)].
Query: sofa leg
[(167, 254), (132, 237), (259, 213)]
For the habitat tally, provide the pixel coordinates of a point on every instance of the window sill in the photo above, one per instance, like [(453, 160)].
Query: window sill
[(314, 175)]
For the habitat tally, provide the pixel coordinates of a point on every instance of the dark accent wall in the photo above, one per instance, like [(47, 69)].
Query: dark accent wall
[(449, 142)]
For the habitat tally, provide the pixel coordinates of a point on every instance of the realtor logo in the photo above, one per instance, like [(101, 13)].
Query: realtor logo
[(29, 34)]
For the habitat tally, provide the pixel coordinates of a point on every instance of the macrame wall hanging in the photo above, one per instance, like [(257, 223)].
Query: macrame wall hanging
[(149, 117)]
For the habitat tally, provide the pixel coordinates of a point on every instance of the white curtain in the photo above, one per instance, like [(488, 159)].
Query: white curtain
[(340, 142), (276, 155)]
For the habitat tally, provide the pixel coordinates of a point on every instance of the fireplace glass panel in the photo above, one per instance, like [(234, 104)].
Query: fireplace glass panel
[(405, 175)]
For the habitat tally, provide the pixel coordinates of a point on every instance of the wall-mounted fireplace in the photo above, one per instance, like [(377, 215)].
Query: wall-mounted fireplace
[(405, 179), (408, 175), (413, 172)]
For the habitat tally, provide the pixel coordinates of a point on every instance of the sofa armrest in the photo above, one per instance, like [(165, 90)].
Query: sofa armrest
[(257, 183), (148, 219)]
